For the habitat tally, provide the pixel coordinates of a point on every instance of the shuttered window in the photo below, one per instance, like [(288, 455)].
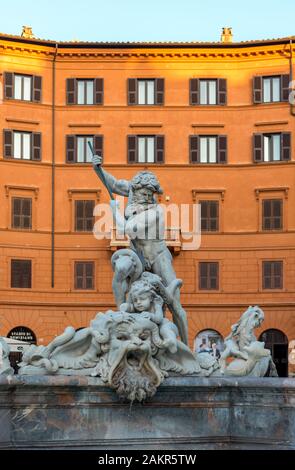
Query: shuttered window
[(145, 149), (208, 275), (87, 91), (272, 214), (272, 147), (21, 273), (208, 149), (209, 216), (271, 89), (22, 87), (21, 213), (77, 148), (84, 219), (84, 275), (208, 91), (22, 145), (145, 91), (272, 274)]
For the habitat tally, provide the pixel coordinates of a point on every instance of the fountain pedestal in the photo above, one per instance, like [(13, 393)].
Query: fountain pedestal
[(48, 412)]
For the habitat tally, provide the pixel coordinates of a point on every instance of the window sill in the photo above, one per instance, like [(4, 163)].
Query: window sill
[(22, 101), (78, 291), (21, 289)]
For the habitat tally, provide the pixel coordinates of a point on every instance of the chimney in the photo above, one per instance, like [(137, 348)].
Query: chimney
[(27, 32), (227, 35)]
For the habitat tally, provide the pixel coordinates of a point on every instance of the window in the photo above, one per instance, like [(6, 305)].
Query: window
[(272, 274), (84, 275), (86, 91), (22, 87), (146, 149), (272, 214), (271, 89), (21, 216), (83, 151), (208, 149), (208, 91), (84, 219), (209, 216), (22, 145), (145, 91), (77, 148), (21, 273), (208, 275), (272, 147)]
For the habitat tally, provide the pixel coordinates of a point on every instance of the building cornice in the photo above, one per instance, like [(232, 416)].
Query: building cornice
[(143, 51)]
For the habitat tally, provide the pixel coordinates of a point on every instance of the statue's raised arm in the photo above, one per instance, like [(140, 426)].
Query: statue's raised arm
[(120, 186)]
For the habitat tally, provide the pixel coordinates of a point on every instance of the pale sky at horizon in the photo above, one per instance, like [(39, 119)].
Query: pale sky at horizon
[(153, 20)]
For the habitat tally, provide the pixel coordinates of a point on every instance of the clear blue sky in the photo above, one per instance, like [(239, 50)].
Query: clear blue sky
[(149, 20)]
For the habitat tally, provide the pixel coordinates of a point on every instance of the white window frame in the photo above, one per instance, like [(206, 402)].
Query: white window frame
[(210, 97), (22, 142), (84, 154), (146, 149), (23, 87), (146, 92), (86, 90), (270, 81), (208, 149)]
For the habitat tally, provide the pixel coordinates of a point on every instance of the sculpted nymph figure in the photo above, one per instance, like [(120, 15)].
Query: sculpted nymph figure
[(143, 299), (143, 221)]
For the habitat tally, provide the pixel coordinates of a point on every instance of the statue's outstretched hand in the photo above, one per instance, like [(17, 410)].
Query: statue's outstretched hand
[(96, 160)]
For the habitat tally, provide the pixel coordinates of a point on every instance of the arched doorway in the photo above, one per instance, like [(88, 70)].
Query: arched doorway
[(19, 339), (277, 342), (205, 339)]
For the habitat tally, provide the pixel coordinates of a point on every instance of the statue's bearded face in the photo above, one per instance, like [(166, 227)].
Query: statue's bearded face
[(143, 196), (132, 370)]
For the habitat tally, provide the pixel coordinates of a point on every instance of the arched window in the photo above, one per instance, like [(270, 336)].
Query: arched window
[(209, 341), (277, 342)]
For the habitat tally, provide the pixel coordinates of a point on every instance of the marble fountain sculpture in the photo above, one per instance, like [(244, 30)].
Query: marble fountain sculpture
[(133, 348)]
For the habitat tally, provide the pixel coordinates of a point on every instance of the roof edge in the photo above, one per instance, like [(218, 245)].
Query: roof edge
[(144, 45)]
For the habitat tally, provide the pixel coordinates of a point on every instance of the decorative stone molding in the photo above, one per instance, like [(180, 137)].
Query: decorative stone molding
[(72, 192), (9, 187), (283, 189), (196, 192)]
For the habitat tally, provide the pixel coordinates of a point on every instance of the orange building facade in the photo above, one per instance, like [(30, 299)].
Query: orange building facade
[(222, 131)]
